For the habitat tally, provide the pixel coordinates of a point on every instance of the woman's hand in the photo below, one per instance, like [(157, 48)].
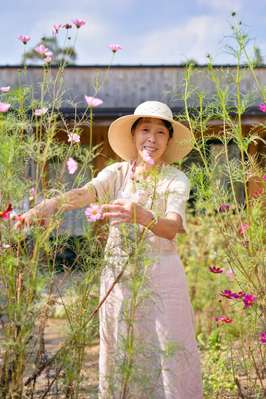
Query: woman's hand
[(27, 219), (126, 211)]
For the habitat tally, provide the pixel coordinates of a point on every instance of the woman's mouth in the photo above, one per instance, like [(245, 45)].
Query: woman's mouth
[(149, 149)]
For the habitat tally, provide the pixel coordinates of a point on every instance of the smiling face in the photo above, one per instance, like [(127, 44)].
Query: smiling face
[(151, 138)]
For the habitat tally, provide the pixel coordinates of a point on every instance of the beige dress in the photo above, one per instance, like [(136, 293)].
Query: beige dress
[(147, 343)]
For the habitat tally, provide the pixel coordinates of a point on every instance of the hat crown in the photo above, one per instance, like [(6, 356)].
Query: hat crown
[(156, 108)]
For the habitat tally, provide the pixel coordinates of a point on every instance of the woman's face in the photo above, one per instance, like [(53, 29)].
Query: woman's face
[(151, 137)]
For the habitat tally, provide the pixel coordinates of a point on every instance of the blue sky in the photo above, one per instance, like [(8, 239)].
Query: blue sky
[(150, 31)]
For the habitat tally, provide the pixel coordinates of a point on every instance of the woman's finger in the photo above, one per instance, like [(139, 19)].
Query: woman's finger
[(115, 215)]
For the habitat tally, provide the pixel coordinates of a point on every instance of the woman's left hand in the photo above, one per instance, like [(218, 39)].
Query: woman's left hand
[(124, 211)]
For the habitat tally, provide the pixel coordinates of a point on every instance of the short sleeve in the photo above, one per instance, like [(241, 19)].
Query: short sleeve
[(178, 194), (105, 182)]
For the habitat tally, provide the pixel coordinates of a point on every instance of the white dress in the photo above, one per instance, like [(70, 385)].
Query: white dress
[(147, 342)]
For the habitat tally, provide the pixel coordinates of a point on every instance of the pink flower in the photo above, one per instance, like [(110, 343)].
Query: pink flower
[(5, 214), (4, 107), (264, 177), (40, 111), (94, 212), (223, 319), (147, 158), (243, 228), (47, 60), (4, 89), (224, 207), (115, 47), (73, 138), (230, 274), (78, 22), (215, 269), (262, 107), (55, 28), (93, 101), (263, 337), (24, 39), (248, 300), (72, 166), (41, 49)]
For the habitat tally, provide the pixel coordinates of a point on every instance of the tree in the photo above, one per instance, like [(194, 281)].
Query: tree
[(60, 54)]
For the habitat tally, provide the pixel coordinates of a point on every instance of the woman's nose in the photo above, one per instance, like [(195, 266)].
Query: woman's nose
[(151, 138)]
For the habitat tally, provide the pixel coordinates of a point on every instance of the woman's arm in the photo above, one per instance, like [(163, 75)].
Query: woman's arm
[(129, 212), (73, 199)]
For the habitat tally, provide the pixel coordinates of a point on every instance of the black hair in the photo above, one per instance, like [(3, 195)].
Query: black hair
[(167, 124)]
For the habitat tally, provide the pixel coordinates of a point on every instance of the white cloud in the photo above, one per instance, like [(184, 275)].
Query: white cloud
[(195, 38)]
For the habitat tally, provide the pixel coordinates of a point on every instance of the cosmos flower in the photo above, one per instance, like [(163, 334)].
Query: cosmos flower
[(262, 107), (41, 49), (94, 213), (4, 107), (73, 138), (24, 38), (263, 337), (72, 166), (215, 269), (6, 213), (224, 208), (40, 111), (55, 28), (93, 101), (4, 89), (78, 22), (223, 319), (243, 228), (248, 300), (115, 47)]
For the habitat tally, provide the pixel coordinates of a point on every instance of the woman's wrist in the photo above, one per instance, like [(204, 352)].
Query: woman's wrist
[(150, 219)]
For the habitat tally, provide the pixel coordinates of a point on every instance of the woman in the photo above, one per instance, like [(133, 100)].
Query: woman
[(147, 342)]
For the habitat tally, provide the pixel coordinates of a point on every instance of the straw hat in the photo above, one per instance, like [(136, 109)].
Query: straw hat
[(120, 137)]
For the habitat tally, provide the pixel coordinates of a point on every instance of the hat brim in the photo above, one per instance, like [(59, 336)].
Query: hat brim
[(121, 140)]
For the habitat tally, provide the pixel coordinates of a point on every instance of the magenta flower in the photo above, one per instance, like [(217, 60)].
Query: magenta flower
[(232, 295), (94, 212), (41, 49), (215, 269), (264, 177), (248, 300), (73, 138), (93, 101), (55, 28), (115, 47), (223, 319), (147, 158), (40, 111), (24, 39), (243, 228), (224, 208), (78, 22), (6, 213), (4, 107), (4, 89), (262, 107), (72, 166), (263, 337)]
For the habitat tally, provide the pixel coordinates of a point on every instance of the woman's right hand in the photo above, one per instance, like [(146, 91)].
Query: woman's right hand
[(25, 220)]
